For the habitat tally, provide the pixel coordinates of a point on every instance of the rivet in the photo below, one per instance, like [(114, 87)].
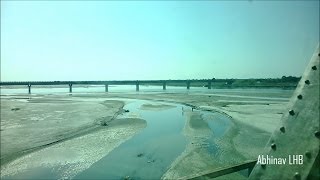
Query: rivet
[(273, 146), (299, 96), (317, 134), (282, 129), (297, 175), (291, 112), (307, 81), (308, 154), (314, 67)]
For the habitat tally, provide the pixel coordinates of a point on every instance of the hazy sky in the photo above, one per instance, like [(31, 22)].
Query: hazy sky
[(105, 40)]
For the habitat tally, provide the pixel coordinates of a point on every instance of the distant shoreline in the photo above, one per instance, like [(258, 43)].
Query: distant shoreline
[(278, 86), (289, 82)]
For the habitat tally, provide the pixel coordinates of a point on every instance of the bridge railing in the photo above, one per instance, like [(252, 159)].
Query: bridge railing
[(223, 170)]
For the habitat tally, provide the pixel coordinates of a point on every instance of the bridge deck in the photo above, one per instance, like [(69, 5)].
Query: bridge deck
[(127, 82)]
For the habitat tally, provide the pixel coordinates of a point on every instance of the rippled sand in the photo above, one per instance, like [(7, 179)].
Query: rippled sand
[(75, 155)]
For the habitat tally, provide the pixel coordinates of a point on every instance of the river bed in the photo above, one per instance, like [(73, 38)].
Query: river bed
[(146, 155)]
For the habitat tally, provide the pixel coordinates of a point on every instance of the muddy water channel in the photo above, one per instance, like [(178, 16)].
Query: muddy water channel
[(147, 154)]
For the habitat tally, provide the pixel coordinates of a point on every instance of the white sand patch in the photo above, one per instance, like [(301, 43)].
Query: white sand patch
[(75, 155)]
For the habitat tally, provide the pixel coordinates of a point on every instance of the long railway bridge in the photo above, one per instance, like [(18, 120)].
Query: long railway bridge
[(107, 83)]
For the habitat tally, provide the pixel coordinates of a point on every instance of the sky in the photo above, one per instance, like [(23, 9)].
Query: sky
[(156, 40)]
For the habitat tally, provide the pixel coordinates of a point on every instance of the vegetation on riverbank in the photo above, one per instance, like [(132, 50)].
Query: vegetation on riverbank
[(286, 82)]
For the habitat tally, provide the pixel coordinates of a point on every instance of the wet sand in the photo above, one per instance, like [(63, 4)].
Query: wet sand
[(236, 146), (64, 122), (156, 107), (254, 118), (78, 153)]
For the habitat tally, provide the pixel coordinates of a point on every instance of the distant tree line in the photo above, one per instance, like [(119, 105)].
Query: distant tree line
[(284, 81), (290, 79)]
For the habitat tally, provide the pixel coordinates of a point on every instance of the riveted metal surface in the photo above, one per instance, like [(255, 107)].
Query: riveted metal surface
[(291, 112), (308, 154), (283, 129), (300, 137), (297, 175)]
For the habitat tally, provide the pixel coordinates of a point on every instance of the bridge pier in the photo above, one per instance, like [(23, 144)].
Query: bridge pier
[(70, 88), (106, 87), (137, 86), (164, 85), (29, 88), (188, 84), (209, 84)]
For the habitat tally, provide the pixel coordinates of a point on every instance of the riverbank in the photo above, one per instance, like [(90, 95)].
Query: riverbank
[(254, 118), (73, 156), (29, 123), (71, 117), (261, 110), (235, 146)]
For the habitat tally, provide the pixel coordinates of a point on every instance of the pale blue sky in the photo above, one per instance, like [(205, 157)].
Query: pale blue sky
[(105, 40)]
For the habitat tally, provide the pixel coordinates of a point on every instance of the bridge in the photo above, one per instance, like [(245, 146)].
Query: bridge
[(107, 83)]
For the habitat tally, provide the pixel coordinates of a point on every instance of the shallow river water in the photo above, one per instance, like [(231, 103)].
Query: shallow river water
[(148, 154)]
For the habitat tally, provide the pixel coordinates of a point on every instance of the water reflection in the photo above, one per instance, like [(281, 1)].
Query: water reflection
[(148, 154)]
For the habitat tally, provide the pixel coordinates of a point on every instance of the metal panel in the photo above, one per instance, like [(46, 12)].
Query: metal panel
[(222, 171), (299, 133)]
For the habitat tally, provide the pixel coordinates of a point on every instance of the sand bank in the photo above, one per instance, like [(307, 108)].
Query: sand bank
[(253, 118), (235, 146), (80, 152), (32, 124), (156, 107), (258, 112)]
